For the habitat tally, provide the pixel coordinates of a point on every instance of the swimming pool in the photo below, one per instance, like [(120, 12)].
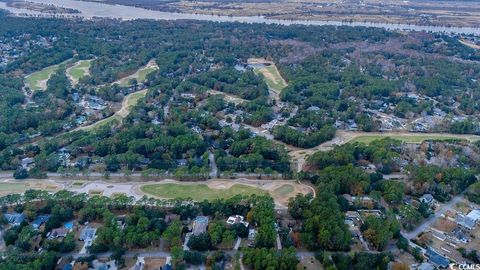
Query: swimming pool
[(68, 225)]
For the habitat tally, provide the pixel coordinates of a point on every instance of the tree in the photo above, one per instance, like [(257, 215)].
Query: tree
[(410, 216), (194, 257), (172, 234), (263, 258), (379, 231), (393, 191), (20, 173), (324, 226), (200, 242), (177, 254)]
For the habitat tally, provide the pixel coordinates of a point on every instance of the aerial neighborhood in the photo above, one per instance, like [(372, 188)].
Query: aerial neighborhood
[(227, 135)]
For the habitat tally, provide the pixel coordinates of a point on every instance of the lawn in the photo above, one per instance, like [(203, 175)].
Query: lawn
[(273, 78), (103, 122), (405, 138), (198, 192), (142, 73), (37, 80), (9, 188), (80, 69), (283, 190), (133, 98)]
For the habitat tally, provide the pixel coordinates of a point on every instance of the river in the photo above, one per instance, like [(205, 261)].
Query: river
[(89, 10)]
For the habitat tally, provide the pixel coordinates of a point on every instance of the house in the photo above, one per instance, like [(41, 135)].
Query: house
[(236, 220), (27, 162), (97, 265), (252, 233), (80, 120), (188, 95), (200, 225), (313, 109), (352, 125), (39, 221), (75, 97), (465, 221), (349, 223), (353, 218), (15, 219), (426, 198), (87, 233), (474, 215), (436, 259), (182, 162), (460, 235), (58, 233)]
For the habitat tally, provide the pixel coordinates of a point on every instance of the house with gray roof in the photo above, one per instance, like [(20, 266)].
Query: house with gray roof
[(88, 233), (200, 225), (15, 218)]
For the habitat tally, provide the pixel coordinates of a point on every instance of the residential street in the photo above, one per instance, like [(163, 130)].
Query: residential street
[(428, 222)]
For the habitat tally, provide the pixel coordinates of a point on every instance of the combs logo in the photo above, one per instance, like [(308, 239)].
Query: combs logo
[(464, 266)]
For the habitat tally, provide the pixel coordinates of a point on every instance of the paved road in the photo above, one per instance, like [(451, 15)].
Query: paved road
[(428, 222), (147, 254)]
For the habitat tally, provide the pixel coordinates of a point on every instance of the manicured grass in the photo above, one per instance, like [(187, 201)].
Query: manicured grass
[(33, 81), (283, 190), (408, 139), (198, 192), (8, 188), (103, 122), (142, 73), (133, 98), (80, 70)]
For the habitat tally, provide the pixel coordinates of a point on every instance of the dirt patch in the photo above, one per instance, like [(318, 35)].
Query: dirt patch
[(154, 263), (444, 225)]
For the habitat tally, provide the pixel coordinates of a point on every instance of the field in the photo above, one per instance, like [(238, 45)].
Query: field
[(79, 70), (37, 81), (19, 187), (413, 138), (280, 190), (198, 192), (9, 188)]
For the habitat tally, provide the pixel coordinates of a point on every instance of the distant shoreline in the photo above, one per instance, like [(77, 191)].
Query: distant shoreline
[(90, 10)]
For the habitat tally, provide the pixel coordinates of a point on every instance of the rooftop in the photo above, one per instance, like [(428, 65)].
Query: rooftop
[(200, 225), (15, 218), (88, 233), (437, 259), (465, 221), (474, 215), (39, 221)]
